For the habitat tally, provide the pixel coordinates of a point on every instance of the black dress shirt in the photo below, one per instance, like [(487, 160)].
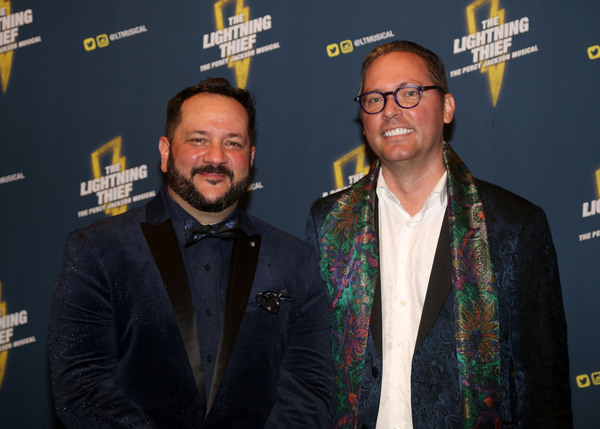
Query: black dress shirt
[(207, 264)]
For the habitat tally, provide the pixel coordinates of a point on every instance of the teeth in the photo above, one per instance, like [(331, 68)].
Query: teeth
[(398, 132)]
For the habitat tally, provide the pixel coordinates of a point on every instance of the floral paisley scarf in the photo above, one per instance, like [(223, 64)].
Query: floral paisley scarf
[(349, 264)]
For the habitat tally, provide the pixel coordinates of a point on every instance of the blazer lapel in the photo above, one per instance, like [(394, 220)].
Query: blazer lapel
[(244, 259), (375, 322), (167, 255), (440, 283)]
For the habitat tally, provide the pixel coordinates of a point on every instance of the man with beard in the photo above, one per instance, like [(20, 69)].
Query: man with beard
[(189, 313)]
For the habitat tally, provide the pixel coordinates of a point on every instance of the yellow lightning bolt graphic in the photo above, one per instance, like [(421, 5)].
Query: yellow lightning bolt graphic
[(115, 146), (4, 354), (241, 66), (598, 182), (496, 71), (7, 57), (359, 155)]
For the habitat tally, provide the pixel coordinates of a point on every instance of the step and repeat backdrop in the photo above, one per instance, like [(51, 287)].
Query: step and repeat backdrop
[(84, 87)]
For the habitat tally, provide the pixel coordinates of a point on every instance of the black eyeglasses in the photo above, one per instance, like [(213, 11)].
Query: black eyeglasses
[(407, 97)]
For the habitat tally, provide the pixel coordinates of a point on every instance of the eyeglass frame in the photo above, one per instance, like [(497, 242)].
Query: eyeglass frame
[(420, 88)]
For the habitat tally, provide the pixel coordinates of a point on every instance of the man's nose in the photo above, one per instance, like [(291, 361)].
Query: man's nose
[(391, 108), (215, 154)]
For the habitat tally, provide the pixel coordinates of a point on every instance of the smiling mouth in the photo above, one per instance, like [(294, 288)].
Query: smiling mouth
[(215, 179), (212, 172), (398, 132), (212, 180)]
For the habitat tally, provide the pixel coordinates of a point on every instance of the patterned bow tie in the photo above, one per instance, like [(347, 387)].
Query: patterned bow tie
[(195, 231)]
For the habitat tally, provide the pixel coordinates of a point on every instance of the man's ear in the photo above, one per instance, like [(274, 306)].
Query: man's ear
[(448, 108), (164, 147)]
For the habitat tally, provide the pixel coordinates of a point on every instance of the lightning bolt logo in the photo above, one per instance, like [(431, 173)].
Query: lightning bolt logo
[(113, 146), (495, 72), (7, 57), (4, 354), (361, 167), (598, 181), (241, 66)]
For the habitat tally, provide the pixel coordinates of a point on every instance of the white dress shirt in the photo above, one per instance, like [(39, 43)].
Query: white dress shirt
[(407, 247)]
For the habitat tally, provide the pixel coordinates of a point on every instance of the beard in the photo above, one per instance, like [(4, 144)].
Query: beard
[(186, 189)]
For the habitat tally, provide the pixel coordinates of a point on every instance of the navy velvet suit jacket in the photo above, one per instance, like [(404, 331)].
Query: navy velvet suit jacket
[(533, 334), (118, 358)]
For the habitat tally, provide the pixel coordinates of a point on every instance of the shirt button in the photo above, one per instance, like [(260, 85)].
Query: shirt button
[(208, 312), (209, 358), (207, 267)]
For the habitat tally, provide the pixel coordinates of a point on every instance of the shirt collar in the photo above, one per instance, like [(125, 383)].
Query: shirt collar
[(439, 194)]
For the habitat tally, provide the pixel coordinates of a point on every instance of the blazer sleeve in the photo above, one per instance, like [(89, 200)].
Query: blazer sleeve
[(540, 355), (311, 233), (305, 388), (318, 212), (83, 345)]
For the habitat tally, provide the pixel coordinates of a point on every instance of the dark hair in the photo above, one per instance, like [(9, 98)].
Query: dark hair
[(437, 71), (212, 85)]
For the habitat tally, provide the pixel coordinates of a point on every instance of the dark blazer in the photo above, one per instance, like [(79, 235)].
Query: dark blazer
[(117, 356), (533, 341)]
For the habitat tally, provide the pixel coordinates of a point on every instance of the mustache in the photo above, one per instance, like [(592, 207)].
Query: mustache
[(213, 169)]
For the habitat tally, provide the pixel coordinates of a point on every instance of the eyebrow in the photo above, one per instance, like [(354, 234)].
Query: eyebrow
[(398, 85), (205, 133)]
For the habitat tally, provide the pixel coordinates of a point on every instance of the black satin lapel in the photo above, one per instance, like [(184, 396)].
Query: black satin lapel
[(167, 255), (376, 316), (241, 275), (440, 283)]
